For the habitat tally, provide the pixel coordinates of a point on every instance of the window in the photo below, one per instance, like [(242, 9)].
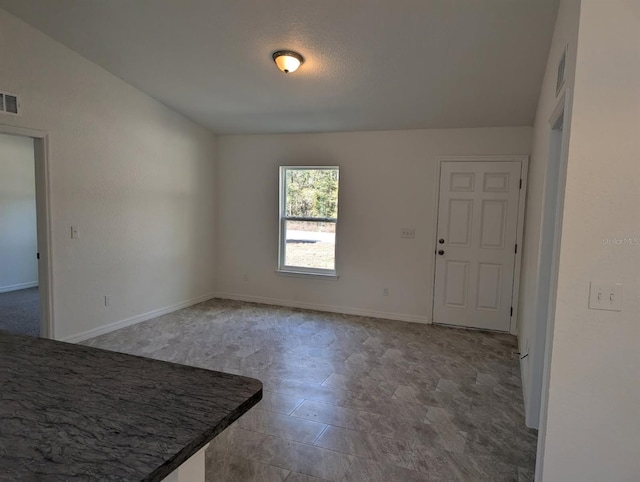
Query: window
[(308, 219)]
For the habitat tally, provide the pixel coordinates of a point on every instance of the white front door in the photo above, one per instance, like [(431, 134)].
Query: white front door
[(476, 243)]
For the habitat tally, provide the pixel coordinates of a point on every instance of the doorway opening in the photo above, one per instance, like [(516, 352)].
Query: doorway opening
[(19, 299), (550, 236), (25, 288)]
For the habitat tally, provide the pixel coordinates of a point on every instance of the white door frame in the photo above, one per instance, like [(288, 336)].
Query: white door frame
[(43, 211), (547, 266), (524, 163), (563, 110)]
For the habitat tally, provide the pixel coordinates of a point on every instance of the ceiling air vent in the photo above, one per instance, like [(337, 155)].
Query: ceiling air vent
[(9, 103)]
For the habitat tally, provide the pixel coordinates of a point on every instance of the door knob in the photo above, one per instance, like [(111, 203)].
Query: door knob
[(441, 252), (441, 241)]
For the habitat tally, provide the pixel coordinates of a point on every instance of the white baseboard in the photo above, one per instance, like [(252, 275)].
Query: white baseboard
[(321, 307), (20, 286), (116, 325)]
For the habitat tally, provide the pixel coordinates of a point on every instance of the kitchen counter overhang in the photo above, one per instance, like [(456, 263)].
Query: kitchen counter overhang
[(71, 412)]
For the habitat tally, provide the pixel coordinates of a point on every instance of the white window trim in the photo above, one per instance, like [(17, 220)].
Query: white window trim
[(297, 271), (307, 274)]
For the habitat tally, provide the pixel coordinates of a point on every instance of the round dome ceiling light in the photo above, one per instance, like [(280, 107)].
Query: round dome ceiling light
[(287, 60)]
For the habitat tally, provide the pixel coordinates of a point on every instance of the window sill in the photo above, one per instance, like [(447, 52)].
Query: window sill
[(304, 274)]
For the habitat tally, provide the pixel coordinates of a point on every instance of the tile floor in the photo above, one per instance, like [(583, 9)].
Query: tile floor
[(350, 398)]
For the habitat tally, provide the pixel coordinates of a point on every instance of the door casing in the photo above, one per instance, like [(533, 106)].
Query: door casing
[(524, 161), (43, 214), (564, 109)]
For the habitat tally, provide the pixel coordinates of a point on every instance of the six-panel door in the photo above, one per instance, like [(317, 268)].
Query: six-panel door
[(475, 248)]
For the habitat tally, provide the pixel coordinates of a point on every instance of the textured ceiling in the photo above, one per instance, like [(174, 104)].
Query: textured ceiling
[(370, 64)]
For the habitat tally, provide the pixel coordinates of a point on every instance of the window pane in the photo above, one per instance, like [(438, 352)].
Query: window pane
[(312, 193), (310, 244)]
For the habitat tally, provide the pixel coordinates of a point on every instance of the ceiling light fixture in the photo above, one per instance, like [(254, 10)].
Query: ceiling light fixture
[(287, 60)]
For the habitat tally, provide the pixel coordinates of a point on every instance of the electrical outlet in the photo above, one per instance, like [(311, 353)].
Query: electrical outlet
[(245, 278), (408, 233), (385, 292), (107, 300)]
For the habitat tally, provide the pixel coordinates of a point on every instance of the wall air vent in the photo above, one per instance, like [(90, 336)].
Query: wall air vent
[(9, 103)]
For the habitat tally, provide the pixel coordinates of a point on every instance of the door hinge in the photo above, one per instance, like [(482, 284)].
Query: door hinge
[(516, 249), (520, 183), (511, 311), (37, 255)]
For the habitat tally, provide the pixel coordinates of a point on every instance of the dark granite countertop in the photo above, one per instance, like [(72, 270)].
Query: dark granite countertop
[(71, 412)]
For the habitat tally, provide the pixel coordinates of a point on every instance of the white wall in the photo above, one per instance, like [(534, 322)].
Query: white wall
[(135, 177), (18, 243), (593, 424), (530, 328), (387, 182)]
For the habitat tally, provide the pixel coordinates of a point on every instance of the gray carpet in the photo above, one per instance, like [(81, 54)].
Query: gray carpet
[(20, 311)]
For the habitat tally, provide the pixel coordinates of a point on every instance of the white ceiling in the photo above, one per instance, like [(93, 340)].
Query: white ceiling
[(370, 64)]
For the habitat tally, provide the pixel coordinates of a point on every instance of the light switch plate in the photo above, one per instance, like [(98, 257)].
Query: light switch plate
[(604, 295)]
